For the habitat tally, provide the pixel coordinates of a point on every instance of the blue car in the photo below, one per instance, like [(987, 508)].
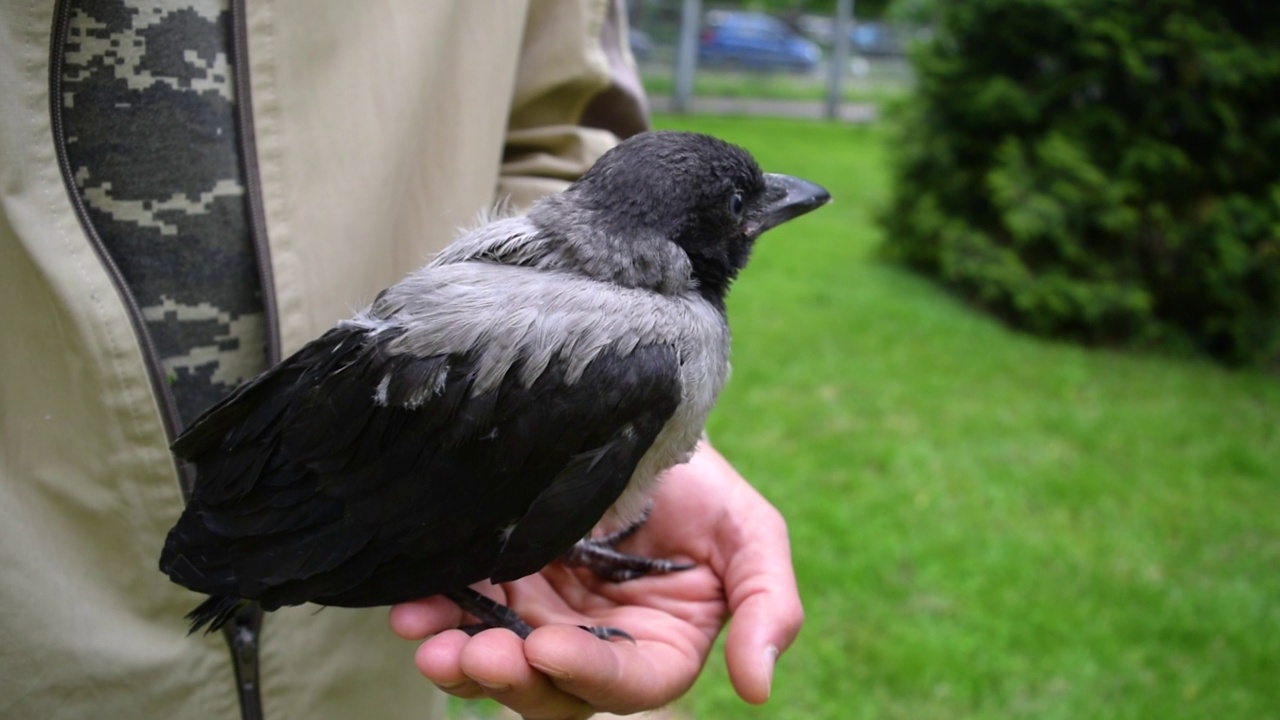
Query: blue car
[(876, 40), (755, 41)]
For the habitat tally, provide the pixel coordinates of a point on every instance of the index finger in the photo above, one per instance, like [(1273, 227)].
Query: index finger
[(620, 677)]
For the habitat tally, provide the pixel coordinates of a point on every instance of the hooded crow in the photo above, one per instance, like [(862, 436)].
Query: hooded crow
[(485, 413)]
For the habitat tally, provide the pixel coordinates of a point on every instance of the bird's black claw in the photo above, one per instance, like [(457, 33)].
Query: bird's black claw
[(600, 556), (613, 566), (493, 614), (609, 633)]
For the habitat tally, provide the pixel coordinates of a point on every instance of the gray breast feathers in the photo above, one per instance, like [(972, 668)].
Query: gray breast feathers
[(501, 314)]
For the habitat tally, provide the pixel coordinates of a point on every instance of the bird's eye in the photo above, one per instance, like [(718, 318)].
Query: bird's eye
[(736, 204)]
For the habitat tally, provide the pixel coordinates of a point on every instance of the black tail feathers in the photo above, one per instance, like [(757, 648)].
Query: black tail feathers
[(214, 612)]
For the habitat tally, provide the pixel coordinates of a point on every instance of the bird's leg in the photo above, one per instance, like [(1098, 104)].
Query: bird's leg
[(490, 613), (601, 557), (493, 614)]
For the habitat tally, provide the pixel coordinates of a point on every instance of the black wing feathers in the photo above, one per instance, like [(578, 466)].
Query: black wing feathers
[(350, 476), (642, 388)]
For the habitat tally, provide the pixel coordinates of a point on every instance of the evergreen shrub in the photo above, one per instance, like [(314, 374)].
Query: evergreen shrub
[(1102, 170)]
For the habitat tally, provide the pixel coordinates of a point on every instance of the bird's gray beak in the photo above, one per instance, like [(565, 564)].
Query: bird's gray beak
[(785, 198)]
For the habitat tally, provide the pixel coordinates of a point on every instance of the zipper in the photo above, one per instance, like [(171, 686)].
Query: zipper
[(243, 635)]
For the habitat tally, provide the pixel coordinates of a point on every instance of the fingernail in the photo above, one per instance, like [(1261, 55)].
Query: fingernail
[(770, 661), (450, 687), (558, 673), (494, 687)]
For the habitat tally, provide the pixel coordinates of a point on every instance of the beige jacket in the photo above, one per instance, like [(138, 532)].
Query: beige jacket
[(381, 127)]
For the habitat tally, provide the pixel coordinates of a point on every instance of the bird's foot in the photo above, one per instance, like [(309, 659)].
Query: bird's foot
[(493, 614), (605, 632), (600, 556), (490, 613)]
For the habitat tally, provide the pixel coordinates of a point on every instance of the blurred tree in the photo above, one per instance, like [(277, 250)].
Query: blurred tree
[(1102, 170)]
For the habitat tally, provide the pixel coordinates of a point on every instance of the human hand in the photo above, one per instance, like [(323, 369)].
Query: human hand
[(703, 511)]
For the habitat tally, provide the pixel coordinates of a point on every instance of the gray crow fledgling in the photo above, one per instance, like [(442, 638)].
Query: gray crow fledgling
[(484, 414)]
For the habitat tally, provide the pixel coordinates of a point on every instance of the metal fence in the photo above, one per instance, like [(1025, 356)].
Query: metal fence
[(725, 57)]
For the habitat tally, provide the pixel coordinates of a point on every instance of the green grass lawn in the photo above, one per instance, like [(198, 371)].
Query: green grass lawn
[(879, 88), (987, 525)]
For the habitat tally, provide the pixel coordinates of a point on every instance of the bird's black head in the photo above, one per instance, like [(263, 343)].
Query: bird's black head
[(706, 196)]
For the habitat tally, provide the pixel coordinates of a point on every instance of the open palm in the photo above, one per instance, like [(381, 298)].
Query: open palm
[(704, 512)]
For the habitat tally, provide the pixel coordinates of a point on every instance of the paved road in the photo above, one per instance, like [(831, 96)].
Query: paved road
[(849, 112)]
